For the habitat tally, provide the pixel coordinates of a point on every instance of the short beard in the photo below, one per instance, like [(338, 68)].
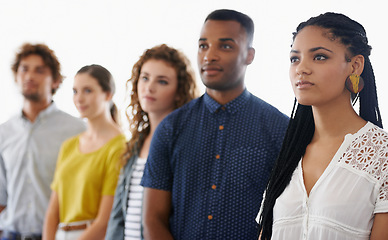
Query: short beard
[(34, 97)]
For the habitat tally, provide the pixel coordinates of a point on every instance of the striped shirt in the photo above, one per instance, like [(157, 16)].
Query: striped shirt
[(135, 200)]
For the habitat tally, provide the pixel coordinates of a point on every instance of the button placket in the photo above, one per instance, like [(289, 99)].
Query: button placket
[(306, 218), (218, 165)]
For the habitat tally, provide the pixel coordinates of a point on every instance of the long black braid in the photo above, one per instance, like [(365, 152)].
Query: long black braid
[(301, 126)]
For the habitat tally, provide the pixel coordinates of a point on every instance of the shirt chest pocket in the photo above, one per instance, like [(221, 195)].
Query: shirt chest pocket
[(248, 168)]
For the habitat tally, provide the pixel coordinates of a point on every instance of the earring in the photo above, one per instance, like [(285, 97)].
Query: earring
[(354, 83)]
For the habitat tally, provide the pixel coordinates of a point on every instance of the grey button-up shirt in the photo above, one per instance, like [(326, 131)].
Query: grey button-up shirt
[(28, 155)]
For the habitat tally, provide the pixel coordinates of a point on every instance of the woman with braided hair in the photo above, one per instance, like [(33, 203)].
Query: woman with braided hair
[(330, 180)]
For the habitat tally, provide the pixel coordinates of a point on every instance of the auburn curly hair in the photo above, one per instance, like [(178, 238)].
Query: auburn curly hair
[(186, 91)]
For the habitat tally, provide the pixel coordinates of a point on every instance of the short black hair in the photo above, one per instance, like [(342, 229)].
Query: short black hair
[(232, 15)]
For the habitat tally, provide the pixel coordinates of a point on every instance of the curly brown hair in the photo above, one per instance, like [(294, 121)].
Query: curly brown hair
[(48, 56), (186, 91)]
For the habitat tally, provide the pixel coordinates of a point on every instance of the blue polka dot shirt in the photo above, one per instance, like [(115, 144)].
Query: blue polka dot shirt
[(216, 160)]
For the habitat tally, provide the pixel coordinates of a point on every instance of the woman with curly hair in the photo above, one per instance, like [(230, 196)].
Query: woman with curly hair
[(162, 80)]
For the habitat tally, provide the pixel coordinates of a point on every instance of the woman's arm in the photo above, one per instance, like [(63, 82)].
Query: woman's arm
[(98, 228), (156, 214), (51, 220), (380, 227)]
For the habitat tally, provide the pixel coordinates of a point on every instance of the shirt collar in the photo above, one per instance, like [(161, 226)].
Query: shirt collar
[(45, 112), (232, 106)]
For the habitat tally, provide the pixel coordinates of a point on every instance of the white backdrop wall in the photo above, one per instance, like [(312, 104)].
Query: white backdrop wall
[(115, 33)]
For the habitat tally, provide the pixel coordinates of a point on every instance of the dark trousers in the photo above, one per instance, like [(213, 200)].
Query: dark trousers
[(10, 235)]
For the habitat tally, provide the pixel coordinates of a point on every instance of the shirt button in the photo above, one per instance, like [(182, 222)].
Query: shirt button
[(214, 186), (218, 156), (223, 108), (221, 127), (210, 217)]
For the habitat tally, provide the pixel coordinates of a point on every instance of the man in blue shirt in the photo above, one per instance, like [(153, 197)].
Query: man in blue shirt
[(210, 160), (30, 142)]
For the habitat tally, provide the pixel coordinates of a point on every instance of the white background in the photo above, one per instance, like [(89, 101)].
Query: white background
[(115, 33)]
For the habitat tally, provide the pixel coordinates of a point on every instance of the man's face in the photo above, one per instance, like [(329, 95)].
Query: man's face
[(223, 55), (35, 79)]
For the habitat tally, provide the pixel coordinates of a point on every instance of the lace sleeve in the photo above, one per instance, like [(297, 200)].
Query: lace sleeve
[(368, 153), (380, 141)]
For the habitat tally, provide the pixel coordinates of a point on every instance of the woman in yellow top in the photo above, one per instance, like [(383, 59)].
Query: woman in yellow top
[(88, 164)]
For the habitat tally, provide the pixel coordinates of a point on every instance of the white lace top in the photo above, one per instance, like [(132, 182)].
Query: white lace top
[(345, 198)]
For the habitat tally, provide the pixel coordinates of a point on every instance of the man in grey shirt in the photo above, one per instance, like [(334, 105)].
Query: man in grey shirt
[(30, 142)]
